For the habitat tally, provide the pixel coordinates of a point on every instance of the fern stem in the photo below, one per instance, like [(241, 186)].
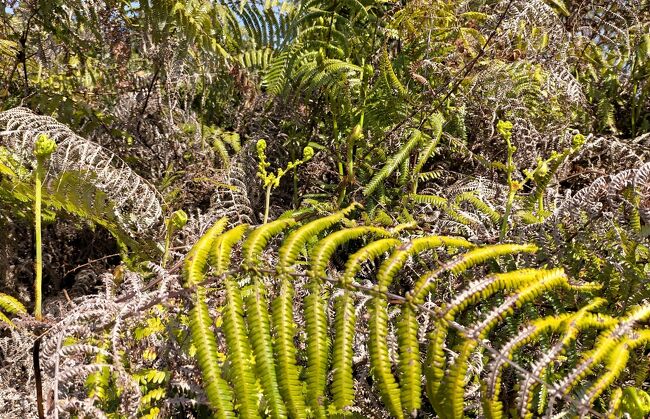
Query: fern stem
[(267, 203), (38, 264)]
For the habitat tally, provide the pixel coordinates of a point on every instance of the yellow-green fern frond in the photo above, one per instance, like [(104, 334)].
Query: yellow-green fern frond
[(217, 390), (324, 249), (196, 260), (259, 238), (10, 305), (389, 74), (240, 355), (296, 241), (222, 248)]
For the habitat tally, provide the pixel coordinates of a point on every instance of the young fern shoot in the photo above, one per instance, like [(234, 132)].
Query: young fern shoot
[(43, 148), (272, 180)]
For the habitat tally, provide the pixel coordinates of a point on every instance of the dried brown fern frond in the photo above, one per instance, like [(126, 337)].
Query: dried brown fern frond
[(136, 203)]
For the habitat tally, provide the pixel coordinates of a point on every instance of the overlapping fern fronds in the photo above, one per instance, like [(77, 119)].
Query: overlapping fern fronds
[(495, 299)]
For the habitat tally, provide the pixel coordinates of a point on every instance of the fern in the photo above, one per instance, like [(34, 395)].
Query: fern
[(260, 336), (10, 305), (136, 204), (216, 388), (394, 162), (196, 261), (389, 74)]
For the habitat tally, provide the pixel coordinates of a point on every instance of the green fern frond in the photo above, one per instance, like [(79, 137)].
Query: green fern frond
[(284, 325), (217, 390), (316, 317), (259, 238), (605, 343), (378, 346), (454, 381), (436, 201), (296, 241), (285, 351), (429, 176), (318, 346), (240, 355), (257, 317), (367, 253), (10, 305), (324, 249), (196, 260), (380, 363), (389, 74), (344, 326), (262, 351), (410, 366), (476, 291), (435, 123), (344, 323), (394, 263), (471, 198), (462, 263), (221, 250), (394, 162)]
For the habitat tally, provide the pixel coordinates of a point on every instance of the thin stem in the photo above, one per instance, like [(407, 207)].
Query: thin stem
[(267, 203), (38, 378), (38, 265), (513, 188), (168, 239)]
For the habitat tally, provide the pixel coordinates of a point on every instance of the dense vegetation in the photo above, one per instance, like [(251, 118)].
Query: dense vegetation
[(325, 208)]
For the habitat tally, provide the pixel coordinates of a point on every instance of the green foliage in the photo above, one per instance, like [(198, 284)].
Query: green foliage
[(9, 305), (394, 162), (492, 274), (485, 302), (217, 389)]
